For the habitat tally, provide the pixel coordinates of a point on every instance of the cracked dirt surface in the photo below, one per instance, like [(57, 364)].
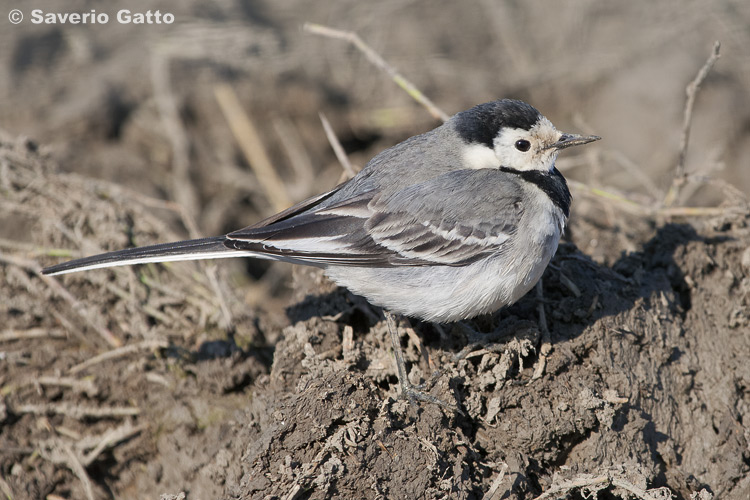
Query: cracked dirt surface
[(647, 376), (237, 379)]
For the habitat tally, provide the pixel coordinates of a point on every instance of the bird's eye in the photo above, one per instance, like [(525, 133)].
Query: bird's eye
[(523, 145)]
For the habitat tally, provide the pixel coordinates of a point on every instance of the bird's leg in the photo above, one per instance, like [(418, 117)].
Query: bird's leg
[(397, 351), (546, 347), (414, 393)]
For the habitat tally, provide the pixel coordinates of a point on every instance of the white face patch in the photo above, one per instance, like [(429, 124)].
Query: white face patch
[(479, 156), (538, 156)]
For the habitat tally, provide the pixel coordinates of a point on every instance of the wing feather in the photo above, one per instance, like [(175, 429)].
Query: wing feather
[(395, 228)]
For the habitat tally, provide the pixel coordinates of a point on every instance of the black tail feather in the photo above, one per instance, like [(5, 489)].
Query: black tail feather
[(204, 248)]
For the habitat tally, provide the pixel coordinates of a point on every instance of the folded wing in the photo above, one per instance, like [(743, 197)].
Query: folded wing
[(450, 220)]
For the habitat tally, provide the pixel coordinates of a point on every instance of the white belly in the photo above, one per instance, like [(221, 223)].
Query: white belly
[(443, 293)]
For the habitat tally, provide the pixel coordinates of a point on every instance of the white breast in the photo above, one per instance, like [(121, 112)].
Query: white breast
[(445, 293)]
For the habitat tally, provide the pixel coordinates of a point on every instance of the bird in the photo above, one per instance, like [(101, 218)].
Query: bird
[(445, 226)]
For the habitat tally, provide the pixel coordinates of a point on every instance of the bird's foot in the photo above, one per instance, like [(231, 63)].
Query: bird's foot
[(476, 340), (410, 391), (416, 393)]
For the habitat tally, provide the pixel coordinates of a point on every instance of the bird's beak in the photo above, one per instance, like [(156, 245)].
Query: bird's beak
[(568, 140)]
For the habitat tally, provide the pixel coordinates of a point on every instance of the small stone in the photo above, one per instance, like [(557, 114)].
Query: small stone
[(746, 260)]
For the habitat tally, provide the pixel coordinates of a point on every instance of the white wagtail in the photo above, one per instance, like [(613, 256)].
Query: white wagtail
[(444, 226)]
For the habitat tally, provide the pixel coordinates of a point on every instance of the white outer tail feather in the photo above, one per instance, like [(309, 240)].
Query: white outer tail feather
[(229, 253), (203, 248)]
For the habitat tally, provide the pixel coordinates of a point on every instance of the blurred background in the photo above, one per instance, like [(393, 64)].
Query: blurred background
[(136, 104), (114, 135)]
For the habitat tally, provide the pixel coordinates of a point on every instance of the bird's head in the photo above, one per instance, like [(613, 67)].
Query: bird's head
[(512, 134)]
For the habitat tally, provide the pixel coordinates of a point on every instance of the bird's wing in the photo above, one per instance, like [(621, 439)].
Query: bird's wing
[(452, 219), (297, 209)]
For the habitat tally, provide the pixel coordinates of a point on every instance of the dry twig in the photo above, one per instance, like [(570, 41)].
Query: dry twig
[(496, 483), (213, 280), (5, 488), (75, 465), (691, 91), (31, 333), (112, 438), (182, 189), (61, 292), (85, 386), (33, 249), (247, 137), (122, 351), (378, 61), (338, 149), (595, 483), (59, 452), (288, 135), (76, 411), (637, 173), (645, 210)]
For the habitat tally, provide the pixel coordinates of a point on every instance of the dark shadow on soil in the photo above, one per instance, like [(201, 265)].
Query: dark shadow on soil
[(603, 292), (598, 294)]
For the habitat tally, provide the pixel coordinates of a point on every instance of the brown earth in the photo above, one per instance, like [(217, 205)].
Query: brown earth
[(244, 380)]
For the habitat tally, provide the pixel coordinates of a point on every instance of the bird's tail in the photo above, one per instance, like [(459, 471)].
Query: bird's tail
[(204, 248)]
